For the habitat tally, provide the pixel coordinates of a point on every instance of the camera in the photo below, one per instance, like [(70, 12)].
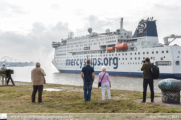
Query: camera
[(143, 61)]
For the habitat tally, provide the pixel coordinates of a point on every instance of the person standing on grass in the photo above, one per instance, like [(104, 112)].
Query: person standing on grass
[(37, 78), (147, 79), (88, 77), (4, 77), (105, 83)]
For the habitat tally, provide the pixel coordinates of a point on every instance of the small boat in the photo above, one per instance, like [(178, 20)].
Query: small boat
[(110, 48), (121, 46)]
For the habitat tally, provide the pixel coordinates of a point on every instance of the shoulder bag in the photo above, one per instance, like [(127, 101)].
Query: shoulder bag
[(101, 80)]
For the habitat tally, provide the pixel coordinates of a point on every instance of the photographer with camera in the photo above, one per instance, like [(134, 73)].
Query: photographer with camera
[(147, 79)]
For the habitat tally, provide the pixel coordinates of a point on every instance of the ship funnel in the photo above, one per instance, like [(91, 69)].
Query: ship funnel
[(146, 28)]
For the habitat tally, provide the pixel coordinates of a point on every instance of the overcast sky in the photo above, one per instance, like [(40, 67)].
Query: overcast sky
[(28, 27)]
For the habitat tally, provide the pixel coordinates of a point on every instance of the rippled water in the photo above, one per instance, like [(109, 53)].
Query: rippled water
[(53, 76)]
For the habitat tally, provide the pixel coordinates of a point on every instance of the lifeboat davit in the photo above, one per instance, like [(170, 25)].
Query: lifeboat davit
[(121, 46), (110, 48)]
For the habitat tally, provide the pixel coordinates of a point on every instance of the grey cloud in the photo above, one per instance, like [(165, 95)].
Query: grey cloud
[(8, 9), (18, 46), (55, 6), (38, 28), (98, 25)]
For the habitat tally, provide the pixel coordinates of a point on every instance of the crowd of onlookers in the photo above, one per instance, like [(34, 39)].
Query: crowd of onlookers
[(88, 76)]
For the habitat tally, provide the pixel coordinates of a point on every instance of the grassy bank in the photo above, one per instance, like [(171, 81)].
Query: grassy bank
[(17, 99)]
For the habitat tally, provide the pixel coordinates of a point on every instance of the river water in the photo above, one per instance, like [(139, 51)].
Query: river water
[(53, 76)]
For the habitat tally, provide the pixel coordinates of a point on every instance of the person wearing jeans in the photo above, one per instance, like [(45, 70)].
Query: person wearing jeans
[(105, 83), (147, 79), (87, 87), (88, 76)]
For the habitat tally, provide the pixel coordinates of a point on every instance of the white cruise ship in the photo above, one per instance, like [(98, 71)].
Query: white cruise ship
[(121, 52)]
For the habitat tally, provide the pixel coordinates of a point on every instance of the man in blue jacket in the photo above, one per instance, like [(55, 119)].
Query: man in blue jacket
[(88, 77)]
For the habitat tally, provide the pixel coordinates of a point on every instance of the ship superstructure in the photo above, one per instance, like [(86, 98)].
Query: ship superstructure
[(121, 52)]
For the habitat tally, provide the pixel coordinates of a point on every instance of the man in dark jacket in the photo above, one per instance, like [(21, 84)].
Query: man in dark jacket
[(88, 76), (147, 79)]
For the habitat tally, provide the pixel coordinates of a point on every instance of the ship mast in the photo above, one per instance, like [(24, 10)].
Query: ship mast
[(121, 24)]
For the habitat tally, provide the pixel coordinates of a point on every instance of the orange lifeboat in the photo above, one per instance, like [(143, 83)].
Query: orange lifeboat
[(110, 48), (121, 46)]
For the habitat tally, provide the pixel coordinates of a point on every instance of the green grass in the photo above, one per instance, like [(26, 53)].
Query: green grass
[(17, 99)]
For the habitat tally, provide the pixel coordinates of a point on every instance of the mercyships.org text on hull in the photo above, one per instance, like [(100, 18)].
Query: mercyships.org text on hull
[(119, 51)]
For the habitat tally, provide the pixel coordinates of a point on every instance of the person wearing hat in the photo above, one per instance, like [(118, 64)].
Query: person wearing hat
[(4, 75)]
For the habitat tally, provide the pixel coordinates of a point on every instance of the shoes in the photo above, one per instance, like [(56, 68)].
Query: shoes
[(152, 101), (40, 102), (33, 102), (142, 101)]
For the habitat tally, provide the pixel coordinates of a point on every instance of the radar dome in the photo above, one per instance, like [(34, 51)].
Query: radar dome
[(90, 30), (107, 30)]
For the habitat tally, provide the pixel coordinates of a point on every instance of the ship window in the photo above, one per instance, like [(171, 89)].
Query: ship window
[(167, 51), (130, 53), (161, 58), (130, 58), (133, 62), (125, 58), (178, 57), (135, 53), (143, 52), (128, 63), (122, 58), (123, 54), (147, 52), (119, 58), (143, 58), (179, 52), (138, 58), (109, 54), (177, 63), (138, 53), (156, 52), (116, 54), (112, 54), (162, 51), (119, 54), (135, 58), (152, 52)]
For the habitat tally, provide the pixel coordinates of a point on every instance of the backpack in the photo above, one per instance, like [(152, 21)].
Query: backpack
[(155, 71)]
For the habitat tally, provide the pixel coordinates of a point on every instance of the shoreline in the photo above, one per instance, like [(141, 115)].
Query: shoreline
[(29, 83)]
